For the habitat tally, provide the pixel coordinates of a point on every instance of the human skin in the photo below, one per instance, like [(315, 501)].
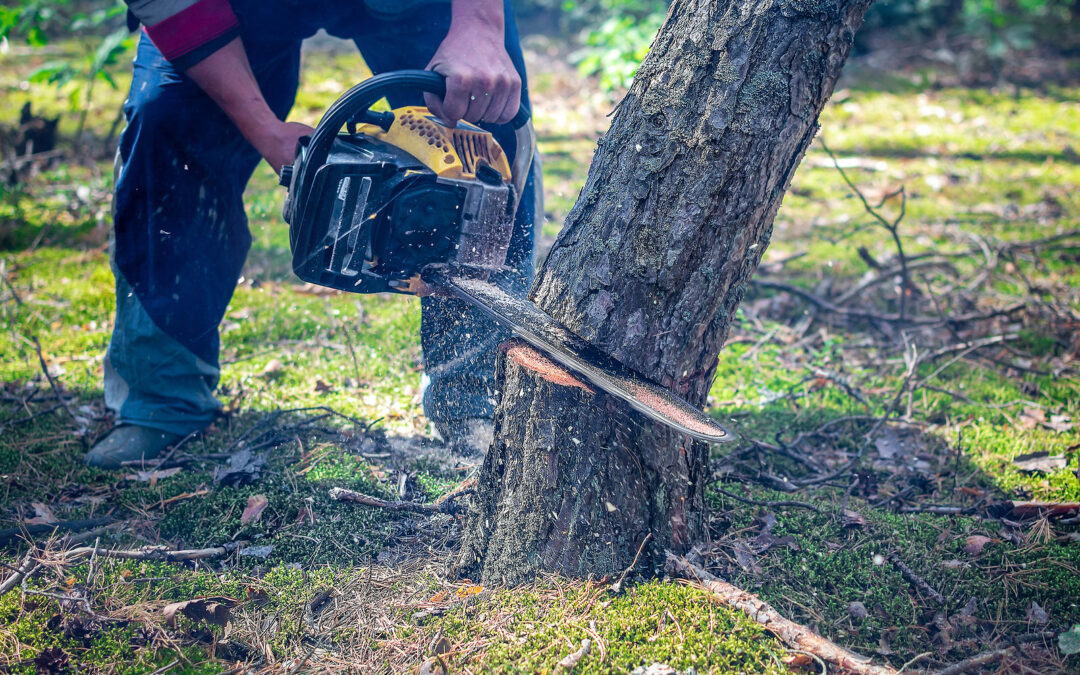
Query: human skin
[(481, 82)]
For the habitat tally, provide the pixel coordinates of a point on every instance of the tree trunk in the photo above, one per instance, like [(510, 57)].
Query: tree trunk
[(650, 266)]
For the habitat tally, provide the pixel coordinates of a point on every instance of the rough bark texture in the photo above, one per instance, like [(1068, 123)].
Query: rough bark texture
[(650, 266)]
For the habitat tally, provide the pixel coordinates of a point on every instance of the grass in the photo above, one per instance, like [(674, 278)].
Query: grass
[(992, 163)]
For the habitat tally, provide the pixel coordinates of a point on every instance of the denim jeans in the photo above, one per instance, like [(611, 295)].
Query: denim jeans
[(180, 234)]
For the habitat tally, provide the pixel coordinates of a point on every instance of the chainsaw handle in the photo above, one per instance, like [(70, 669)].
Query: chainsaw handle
[(364, 95)]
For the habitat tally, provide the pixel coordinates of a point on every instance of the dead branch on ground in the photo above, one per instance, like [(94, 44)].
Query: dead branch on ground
[(760, 611)]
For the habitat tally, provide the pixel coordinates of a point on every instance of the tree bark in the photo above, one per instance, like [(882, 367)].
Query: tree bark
[(651, 266)]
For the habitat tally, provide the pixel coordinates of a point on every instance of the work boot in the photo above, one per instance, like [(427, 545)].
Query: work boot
[(127, 442), (467, 437)]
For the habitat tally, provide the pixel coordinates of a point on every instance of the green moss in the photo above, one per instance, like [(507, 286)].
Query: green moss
[(649, 623)]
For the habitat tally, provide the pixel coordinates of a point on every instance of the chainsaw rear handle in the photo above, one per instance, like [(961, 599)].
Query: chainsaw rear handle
[(360, 98)]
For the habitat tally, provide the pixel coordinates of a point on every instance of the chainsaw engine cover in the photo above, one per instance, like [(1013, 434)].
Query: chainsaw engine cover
[(376, 215)]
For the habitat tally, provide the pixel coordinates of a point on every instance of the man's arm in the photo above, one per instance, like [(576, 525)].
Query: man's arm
[(226, 77), (202, 37)]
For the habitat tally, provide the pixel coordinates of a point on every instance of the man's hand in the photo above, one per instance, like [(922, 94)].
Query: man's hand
[(481, 82), (277, 142)]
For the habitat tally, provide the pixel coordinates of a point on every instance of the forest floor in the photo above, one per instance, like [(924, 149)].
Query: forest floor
[(898, 420)]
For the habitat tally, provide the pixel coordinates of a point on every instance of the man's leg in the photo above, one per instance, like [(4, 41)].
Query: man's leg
[(179, 242), (459, 342)]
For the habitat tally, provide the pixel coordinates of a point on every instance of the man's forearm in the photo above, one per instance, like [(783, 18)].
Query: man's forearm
[(478, 14), (226, 77)]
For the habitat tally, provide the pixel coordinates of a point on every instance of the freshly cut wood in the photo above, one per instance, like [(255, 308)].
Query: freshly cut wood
[(794, 634)]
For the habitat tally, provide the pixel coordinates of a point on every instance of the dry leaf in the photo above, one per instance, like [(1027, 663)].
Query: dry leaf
[(273, 369), (322, 387), (438, 597), (43, 515), (974, 544), (1036, 614), (253, 511), (799, 660), (442, 646), (153, 476), (466, 591), (1031, 418), (852, 519), (213, 610), (305, 515), (433, 666)]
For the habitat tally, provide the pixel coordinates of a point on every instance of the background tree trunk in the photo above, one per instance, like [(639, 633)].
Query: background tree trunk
[(650, 266)]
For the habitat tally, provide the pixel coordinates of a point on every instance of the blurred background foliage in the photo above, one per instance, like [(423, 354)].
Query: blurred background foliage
[(610, 37)]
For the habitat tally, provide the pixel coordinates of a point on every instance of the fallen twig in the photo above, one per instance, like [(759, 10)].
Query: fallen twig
[(24, 570), (12, 533), (924, 587), (1001, 509), (617, 586), (445, 506), (156, 553), (828, 306), (977, 661), (794, 634), (48, 376), (570, 660), (754, 502), (992, 655), (31, 418)]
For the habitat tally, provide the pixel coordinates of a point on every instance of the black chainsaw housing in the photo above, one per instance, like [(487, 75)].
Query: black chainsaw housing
[(375, 216)]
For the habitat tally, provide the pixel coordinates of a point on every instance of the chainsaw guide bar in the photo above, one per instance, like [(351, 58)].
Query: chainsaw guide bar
[(534, 326)]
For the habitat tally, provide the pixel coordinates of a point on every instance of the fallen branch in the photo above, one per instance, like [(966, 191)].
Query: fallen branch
[(777, 504), (977, 661), (924, 587), (24, 570), (570, 660), (1002, 509), (822, 303), (48, 376), (617, 586), (992, 655), (445, 506), (794, 634), (6, 536), (156, 553), (31, 418)]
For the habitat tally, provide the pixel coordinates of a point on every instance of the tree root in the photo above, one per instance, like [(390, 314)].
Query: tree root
[(790, 632)]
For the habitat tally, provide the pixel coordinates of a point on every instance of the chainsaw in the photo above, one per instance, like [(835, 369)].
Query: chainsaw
[(400, 202)]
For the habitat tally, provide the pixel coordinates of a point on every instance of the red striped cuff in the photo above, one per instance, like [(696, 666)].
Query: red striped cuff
[(189, 29)]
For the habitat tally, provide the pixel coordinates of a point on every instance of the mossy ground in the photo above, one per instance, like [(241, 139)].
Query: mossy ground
[(998, 164)]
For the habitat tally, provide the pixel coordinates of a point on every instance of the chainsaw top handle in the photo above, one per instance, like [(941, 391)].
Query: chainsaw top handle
[(356, 101)]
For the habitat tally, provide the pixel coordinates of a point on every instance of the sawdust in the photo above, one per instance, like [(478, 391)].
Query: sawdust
[(529, 357)]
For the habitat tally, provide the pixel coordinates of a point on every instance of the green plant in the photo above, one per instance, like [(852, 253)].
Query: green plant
[(34, 20), (613, 50)]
